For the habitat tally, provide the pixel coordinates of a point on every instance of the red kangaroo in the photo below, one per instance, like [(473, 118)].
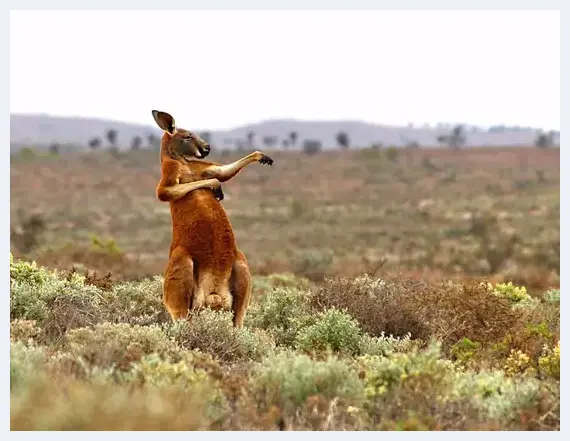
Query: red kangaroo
[(205, 267)]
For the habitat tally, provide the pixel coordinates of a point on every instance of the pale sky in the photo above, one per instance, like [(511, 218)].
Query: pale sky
[(221, 69)]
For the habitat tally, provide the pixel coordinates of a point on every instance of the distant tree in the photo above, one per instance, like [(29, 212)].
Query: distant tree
[(342, 140), (250, 136), (269, 141), (455, 138), (293, 136), (136, 143), (409, 144), (54, 148), (153, 141), (544, 140), (112, 137), (240, 145), (94, 143), (206, 136), (312, 146), (285, 144), (413, 145)]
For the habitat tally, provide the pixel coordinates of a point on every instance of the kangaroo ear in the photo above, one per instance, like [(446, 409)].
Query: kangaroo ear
[(164, 120)]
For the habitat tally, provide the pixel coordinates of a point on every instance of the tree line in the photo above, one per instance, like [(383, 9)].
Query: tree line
[(455, 139)]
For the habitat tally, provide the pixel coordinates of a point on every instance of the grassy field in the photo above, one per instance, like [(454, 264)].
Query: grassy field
[(381, 295)]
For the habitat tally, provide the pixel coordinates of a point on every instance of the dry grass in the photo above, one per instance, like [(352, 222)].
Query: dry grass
[(475, 212), (390, 326)]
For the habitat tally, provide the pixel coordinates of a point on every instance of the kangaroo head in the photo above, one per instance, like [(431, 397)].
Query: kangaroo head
[(179, 143)]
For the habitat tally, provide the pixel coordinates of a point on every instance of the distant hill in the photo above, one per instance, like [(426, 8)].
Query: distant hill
[(42, 130)]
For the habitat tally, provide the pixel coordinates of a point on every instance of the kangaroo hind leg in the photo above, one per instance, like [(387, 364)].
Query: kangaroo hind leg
[(178, 284), (241, 286)]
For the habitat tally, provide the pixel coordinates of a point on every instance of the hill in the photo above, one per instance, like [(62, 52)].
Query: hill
[(42, 129)]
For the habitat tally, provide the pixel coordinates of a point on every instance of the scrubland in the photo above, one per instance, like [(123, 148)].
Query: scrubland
[(393, 290)]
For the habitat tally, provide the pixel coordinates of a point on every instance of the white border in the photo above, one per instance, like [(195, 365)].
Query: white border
[(274, 5)]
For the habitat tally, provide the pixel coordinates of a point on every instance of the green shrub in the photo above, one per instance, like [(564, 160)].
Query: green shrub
[(334, 330), (213, 332), (494, 394), (136, 303), (415, 370), (386, 344), (287, 380), (28, 272), (515, 294), (313, 264), (465, 350), (117, 346), (549, 362), (282, 312), (264, 284), (26, 362), (552, 296)]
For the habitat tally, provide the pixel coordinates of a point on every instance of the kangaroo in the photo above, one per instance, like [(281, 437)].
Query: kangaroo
[(205, 267)]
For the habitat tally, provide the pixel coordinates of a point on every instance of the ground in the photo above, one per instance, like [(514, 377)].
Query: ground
[(381, 276)]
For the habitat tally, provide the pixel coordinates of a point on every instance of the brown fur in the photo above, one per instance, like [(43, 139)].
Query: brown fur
[(205, 267)]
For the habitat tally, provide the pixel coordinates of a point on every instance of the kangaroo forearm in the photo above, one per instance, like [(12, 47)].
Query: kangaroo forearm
[(228, 171), (167, 194)]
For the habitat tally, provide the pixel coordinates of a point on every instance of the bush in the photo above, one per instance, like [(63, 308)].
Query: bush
[(287, 380), (264, 284), (496, 395), (24, 330), (334, 330), (213, 332), (515, 294), (552, 296), (313, 264), (417, 371), (77, 405), (117, 346), (282, 312), (447, 312), (25, 364), (549, 362), (28, 272)]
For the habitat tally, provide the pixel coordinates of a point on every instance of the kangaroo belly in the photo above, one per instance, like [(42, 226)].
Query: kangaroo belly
[(201, 225)]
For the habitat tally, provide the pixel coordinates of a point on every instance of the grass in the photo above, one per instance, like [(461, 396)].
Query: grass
[(425, 213), (393, 290)]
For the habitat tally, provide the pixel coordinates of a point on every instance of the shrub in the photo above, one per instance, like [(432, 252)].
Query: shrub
[(136, 303), (25, 364), (264, 284), (415, 371), (552, 296), (287, 380), (24, 330), (494, 394), (117, 346), (465, 350), (313, 264), (446, 312), (549, 362), (518, 363), (77, 405), (28, 272), (212, 332), (515, 294), (334, 330), (384, 345), (282, 312)]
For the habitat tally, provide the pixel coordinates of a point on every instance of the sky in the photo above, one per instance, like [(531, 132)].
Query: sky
[(222, 69)]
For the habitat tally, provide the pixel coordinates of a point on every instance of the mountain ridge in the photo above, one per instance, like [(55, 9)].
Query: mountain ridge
[(42, 129)]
